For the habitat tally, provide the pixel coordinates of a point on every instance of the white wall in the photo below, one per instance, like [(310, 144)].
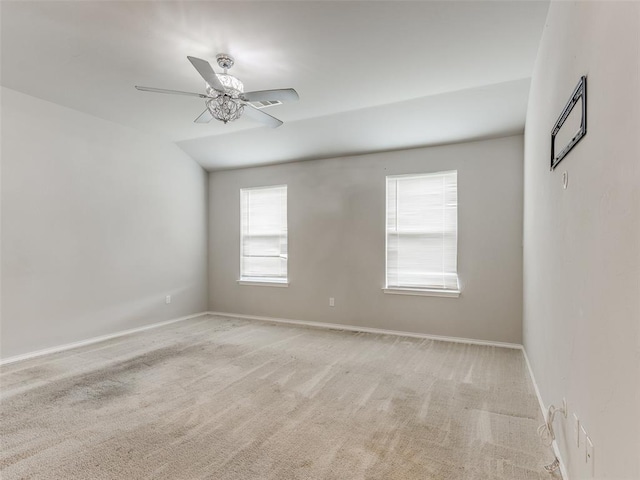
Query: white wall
[(99, 223), (582, 244), (337, 243)]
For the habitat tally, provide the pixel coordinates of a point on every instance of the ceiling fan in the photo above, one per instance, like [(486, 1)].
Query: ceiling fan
[(226, 99)]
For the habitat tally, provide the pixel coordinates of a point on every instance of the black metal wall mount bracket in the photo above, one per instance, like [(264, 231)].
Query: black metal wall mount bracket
[(580, 92)]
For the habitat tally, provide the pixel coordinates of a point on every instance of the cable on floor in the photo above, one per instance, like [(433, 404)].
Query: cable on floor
[(547, 435)]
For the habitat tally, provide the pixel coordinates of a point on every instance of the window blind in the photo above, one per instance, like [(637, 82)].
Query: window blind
[(422, 231), (263, 237)]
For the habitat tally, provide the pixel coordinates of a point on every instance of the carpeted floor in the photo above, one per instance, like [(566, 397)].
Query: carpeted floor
[(228, 399)]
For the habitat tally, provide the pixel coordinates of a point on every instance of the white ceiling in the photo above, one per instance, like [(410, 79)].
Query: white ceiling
[(371, 75)]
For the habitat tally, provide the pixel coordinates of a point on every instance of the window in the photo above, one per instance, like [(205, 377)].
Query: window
[(263, 234), (422, 233)]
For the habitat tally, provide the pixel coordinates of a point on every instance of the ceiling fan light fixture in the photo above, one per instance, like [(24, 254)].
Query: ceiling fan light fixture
[(226, 99), (232, 86), (225, 108)]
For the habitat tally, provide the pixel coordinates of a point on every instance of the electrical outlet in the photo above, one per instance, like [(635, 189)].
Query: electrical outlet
[(589, 455), (167, 299), (332, 302), (576, 429)]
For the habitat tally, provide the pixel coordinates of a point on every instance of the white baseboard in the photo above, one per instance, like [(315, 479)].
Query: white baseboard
[(354, 328), (89, 341), (543, 408)]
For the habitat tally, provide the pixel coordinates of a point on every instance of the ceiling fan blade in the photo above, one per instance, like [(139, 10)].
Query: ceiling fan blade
[(205, 117), (259, 115), (281, 95), (171, 92), (206, 71)]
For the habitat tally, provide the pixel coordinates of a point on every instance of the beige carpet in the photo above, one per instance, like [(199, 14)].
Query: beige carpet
[(220, 398)]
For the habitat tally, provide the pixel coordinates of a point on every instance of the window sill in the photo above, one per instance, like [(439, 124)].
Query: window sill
[(422, 292), (264, 283)]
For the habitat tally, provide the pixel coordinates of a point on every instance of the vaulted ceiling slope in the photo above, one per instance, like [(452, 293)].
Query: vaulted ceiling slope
[(371, 76)]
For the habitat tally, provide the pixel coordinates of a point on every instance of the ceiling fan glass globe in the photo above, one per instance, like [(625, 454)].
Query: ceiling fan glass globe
[(225, 108), (231, 84)]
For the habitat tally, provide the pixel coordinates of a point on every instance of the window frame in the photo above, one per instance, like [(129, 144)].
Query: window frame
[(426, 291), (263, 281)]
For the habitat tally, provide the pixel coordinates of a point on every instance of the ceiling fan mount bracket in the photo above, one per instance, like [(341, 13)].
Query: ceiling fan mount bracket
[(225, 60)]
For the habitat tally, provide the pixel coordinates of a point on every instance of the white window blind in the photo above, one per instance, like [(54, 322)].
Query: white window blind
[(263, 237), (422, 231)]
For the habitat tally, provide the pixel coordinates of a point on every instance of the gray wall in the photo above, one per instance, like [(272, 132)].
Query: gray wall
[(582, 244), (99, 223), (337, 243)]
